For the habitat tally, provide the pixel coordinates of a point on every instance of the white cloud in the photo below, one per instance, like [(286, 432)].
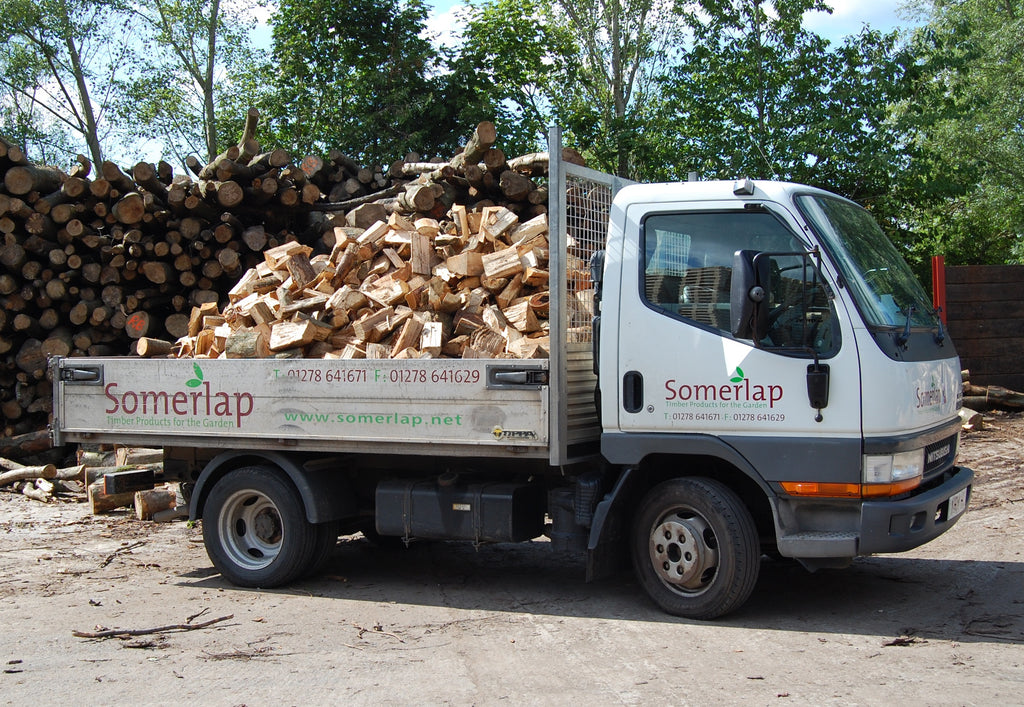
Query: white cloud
[(444, 27), (850, 16)]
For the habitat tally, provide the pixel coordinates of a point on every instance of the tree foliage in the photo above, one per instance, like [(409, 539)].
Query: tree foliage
[(759, 95), (201, 48), (967, 118), (60, 60), (360, 76), (588, 65)]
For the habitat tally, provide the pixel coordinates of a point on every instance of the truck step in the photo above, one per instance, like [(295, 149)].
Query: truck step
[(819, 544)]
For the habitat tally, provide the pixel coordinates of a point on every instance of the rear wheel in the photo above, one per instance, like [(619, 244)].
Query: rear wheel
[(695, 548), (326, 540), (255, 528)]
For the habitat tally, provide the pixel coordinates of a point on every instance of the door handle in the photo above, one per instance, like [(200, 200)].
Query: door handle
[(633, 391), (498, 377)]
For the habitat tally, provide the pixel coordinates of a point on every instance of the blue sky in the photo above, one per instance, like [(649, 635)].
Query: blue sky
[(848, 17)]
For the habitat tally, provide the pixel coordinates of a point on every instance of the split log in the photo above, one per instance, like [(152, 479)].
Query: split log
[(102, 502), (149, 503), (138, 456)]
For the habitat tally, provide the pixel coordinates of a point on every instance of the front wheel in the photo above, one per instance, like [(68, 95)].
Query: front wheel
[(695, 548), (255, 529)]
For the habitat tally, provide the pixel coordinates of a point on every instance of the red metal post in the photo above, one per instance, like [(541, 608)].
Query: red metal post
[(939, 285)]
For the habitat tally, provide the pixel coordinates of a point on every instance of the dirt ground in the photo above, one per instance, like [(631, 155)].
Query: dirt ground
[(446, 624)]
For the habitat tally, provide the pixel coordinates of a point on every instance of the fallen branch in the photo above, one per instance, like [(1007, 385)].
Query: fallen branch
[(358, 201), (263, 652), (122, 549), (29, 490), (376, 629), (124, 632)]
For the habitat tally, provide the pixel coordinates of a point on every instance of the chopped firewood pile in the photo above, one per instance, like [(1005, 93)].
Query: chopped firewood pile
[(255, 255), (475, 288)]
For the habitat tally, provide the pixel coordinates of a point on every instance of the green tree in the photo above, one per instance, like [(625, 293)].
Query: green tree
[(589, 65), (360, 76), (525, 58), (22, 117), (61, 60), (967, 117), (201, 46), (760, 95)]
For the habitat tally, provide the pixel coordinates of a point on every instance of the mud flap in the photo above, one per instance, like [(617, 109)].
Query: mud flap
[(608, 547)]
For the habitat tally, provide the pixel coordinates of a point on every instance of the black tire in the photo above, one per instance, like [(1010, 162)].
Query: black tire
[(326, 541), (255, 528), (695, 548)]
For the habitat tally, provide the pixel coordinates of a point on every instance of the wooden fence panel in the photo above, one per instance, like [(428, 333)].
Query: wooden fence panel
[(985, 312)]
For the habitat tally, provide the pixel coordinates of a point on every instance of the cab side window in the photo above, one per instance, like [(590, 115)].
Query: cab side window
[(688, 259)]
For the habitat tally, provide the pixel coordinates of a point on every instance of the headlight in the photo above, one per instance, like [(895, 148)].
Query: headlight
[(891, 474)]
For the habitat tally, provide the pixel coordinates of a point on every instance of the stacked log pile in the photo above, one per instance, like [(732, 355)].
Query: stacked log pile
[(319, 256), (979, 398)]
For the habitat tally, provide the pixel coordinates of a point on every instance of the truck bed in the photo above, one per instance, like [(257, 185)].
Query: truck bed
[(435, 406), (463, 407)]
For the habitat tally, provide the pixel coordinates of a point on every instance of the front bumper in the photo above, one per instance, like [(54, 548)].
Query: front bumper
[(895, 526), (814, 528)]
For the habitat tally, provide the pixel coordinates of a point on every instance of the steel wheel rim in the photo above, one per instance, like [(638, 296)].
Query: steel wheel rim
[(684, 553), (251, 529)]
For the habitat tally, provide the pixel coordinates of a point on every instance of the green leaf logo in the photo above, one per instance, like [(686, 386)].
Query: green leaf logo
[(198, 380), (738, 376)]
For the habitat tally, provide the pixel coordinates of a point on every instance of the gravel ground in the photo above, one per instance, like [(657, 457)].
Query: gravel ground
[(443, 623)]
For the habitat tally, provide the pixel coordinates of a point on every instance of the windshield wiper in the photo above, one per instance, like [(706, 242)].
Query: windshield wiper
[(903, 337), (940, 331)]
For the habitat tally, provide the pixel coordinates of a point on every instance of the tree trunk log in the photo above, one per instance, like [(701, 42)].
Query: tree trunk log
[(24, 179), (102, 502), (148, 503), (26, 473)]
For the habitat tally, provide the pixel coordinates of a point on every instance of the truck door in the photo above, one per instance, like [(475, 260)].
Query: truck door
[(680, 369)]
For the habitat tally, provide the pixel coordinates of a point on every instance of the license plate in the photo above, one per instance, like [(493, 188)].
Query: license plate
[(957, 503)]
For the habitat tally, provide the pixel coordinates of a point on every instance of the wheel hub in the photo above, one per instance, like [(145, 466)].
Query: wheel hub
[(684, 552), (267, 526), (251, 529)]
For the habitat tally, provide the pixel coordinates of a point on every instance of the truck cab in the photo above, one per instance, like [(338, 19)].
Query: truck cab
[(776, 379)]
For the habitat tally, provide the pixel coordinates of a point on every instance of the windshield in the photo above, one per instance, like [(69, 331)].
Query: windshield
[(880, 280)]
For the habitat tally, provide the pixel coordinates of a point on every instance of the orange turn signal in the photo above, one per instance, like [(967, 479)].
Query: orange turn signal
[(893, 489), (823, 490), (814, 488)]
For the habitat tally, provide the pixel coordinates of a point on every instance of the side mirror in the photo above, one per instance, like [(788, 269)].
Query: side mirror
[(751, 282)]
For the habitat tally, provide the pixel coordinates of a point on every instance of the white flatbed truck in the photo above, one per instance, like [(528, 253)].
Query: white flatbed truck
[(746, 368)]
